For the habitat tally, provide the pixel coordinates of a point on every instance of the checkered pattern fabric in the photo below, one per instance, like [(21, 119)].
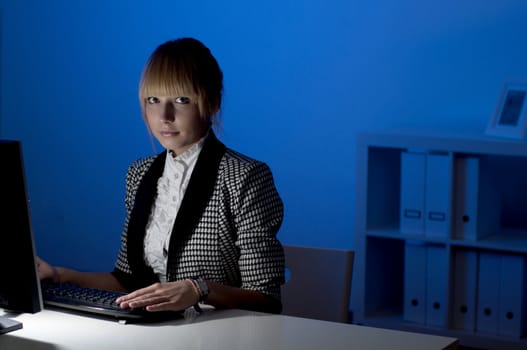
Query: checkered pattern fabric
[(234, 241)]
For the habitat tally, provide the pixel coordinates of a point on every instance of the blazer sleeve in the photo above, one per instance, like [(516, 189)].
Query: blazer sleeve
[(258, 215)]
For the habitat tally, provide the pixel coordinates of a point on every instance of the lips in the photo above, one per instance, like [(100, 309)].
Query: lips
[(168, 133)]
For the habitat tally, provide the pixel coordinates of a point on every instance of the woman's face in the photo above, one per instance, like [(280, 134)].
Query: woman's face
[(175, 122)]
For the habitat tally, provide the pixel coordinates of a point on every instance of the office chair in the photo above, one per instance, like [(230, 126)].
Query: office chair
[(319, 283)]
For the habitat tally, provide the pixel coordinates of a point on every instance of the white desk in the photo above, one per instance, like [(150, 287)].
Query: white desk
[(219, 330)]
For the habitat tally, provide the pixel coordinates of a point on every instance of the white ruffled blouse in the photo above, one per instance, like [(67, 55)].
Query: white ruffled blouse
[(171, 188)]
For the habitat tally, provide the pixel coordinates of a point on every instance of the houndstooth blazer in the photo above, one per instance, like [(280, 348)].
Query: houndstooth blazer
[(225, 230)]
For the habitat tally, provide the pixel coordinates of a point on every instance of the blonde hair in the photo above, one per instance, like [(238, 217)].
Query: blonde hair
[(184, 67)]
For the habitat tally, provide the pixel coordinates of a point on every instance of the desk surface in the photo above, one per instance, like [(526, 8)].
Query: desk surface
[(220, 330)]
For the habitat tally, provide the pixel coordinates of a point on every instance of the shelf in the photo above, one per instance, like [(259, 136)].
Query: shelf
[(510, 241), (444, 141), (461, 201), (396, 234)]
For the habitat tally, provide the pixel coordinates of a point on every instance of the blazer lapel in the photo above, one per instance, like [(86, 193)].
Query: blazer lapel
[(197, 195), (146, 193)]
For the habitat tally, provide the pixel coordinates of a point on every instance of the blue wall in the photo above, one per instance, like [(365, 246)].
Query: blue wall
[(301, 78)]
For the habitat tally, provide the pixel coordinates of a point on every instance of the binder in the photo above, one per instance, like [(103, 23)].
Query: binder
[(412, 205), (466, 198), (465, 275), (476, 202), (512, 305), (488, 293), (436, 286), (438, 192), (414, 282)]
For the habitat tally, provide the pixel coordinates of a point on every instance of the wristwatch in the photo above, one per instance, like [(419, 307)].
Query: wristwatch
[(203, 288)]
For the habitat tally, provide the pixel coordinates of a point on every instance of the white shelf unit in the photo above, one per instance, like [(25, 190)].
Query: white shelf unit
[(385, 271)]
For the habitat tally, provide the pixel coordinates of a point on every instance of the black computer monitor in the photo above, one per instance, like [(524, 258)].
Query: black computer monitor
[(19, 282)]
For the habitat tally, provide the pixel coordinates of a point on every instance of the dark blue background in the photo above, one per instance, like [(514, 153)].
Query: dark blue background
[(301, 79)]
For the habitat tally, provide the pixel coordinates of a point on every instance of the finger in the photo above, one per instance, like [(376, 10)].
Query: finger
[(165, 306), (141, 296), (136, 294), (144, 301)]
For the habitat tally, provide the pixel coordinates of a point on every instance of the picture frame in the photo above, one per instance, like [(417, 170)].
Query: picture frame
[(510, 118)]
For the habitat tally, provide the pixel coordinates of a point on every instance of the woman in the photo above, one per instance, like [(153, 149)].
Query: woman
[(201, 219)]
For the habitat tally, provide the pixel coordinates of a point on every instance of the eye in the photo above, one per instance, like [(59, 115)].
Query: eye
[(182, 100), (152, 100)]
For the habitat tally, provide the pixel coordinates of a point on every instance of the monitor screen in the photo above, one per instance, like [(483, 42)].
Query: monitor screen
[(19, 283)]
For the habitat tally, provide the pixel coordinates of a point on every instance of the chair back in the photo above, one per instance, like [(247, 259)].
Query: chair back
[(319, 283)]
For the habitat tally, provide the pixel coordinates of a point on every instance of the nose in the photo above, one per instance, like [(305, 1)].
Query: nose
[(167, 113)]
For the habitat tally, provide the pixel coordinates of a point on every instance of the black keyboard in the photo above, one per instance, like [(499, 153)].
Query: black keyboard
[(96, 301)]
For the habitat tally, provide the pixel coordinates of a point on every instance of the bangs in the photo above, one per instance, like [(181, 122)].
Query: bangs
[(163, 78)]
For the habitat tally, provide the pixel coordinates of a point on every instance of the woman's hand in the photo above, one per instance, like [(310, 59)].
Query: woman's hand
[(166, 296), (46, 271)]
